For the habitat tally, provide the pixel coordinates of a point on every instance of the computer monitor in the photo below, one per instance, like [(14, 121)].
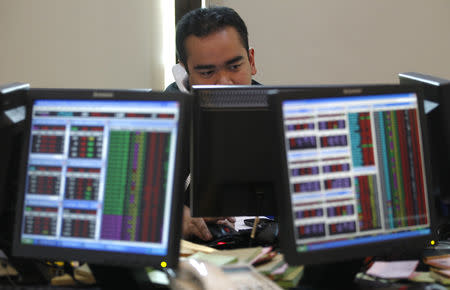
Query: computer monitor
[(12, 116), (232, 158), (101, 180), (353, 173), (437, 108)]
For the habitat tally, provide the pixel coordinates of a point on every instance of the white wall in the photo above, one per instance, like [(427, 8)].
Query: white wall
[(81, 43), (345, 41)]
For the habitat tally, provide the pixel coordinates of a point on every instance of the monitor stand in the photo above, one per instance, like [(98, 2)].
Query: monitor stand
[(118, 277), (333, 275), (31, 272)]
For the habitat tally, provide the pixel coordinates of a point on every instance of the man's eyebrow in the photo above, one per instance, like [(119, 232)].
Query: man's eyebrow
[(235, 59), (211, 66), (204, 66)]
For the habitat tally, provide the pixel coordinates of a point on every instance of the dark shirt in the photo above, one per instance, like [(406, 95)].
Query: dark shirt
[(173, 87)]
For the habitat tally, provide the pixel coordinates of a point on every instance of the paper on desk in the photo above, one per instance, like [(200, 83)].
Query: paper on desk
[(421, 277), (442, 261), (188, 248), (393, 270), (8, 270), (213, 258), (264, 252), (269, 267), (244, 255)]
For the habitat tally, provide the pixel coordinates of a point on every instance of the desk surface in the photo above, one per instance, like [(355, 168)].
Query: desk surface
[(339, 274)]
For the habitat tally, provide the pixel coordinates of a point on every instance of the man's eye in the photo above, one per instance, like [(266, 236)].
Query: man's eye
[(206, 73), (235, 66)]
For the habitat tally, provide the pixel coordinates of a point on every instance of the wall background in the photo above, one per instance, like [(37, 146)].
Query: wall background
[(83, 43), (345, 41), (117, 44)]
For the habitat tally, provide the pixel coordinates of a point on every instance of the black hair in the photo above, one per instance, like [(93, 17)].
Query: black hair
[(205, 21)]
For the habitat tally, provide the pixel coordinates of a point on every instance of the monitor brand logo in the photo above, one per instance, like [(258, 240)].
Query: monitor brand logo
[(352, 91), (103, 94)]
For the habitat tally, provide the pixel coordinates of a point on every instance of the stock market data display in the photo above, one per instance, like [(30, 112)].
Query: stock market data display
[(355, 167), (86, 141), (44, 179), (131, 211), (82, 183), (79, 223), (41, 220), (48, 139), (98, 173)]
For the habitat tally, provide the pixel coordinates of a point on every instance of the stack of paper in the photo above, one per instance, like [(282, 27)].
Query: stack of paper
[(214, 258), (269, 267), (291, 276), (246, 255), (266, 261), (393, 269), (440, 268), (188, 248)]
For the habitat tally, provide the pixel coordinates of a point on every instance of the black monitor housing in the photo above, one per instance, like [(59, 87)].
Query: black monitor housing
[(12, 119), (101, 181), (437, 107)]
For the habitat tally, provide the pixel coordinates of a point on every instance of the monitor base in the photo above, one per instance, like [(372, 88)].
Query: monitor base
[(117, 277), (332, 276), (30, 272)]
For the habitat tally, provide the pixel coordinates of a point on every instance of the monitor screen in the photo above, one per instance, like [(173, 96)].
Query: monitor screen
[(437, 108), (101, 177), (353, 169)]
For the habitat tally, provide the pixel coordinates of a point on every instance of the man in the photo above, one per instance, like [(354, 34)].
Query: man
[(212, 46)]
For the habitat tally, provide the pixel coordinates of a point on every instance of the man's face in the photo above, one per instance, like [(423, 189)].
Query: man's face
[(219, 59)]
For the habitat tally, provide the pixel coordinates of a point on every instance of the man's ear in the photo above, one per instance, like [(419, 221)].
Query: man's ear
[(251, 59)]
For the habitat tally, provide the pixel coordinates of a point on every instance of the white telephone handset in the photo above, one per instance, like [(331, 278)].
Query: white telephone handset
[(181, 77)]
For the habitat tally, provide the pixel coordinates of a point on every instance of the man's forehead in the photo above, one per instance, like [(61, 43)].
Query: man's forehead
[(229, 31), (216, 48)]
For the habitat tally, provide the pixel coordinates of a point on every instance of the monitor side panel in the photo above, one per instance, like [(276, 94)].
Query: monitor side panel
[(12, 116), (436, 92)]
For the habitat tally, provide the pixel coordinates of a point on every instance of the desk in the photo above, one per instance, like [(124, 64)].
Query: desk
[(314, 277), (341, 275)]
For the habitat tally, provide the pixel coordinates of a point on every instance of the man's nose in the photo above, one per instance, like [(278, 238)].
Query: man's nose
[(224, 79)]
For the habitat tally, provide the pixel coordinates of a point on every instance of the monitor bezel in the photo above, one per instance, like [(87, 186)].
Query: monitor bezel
[(107, 258), (383, 248)]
